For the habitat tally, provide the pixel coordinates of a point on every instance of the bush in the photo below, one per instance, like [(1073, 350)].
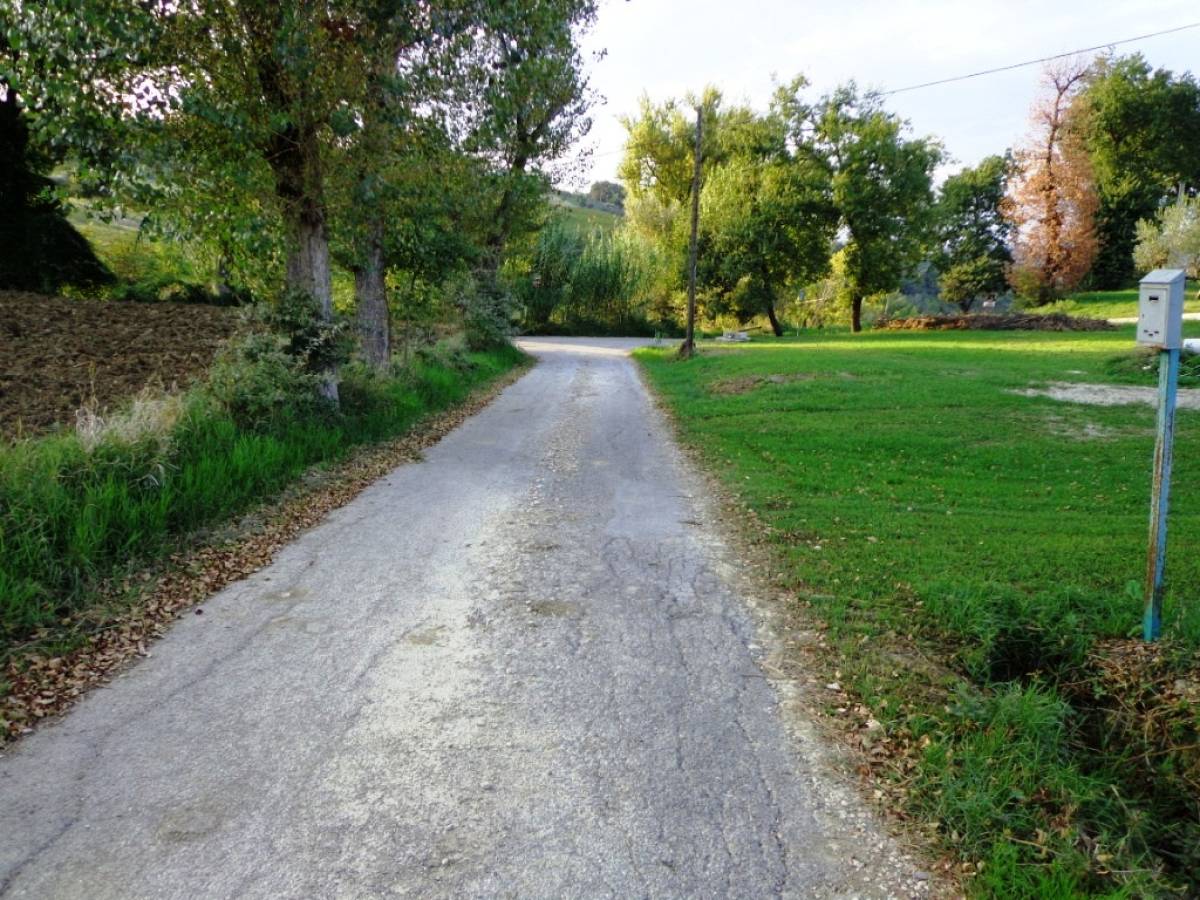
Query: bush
[(486, 310), (276, 370), (259, 382)]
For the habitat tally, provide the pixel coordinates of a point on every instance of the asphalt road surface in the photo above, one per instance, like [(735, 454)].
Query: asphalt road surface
[(519, 668)]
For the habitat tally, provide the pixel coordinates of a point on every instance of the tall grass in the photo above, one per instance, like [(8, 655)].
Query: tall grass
[(75, 508), (584, 283)]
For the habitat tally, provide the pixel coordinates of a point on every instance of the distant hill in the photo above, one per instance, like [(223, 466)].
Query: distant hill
[(585, 213)]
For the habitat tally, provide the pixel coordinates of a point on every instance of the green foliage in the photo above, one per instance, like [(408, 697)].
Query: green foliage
[(1174, 240), (1142, 130), (972, 233), (970, 550), (963, 282), (259, 382), (767, 216), (71, 516), (582, 284), (882, 182), (487, 310), (607, 192), (768, 227)]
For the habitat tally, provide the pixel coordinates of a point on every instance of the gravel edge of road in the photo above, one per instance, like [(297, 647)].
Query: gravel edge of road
[(42, 687)]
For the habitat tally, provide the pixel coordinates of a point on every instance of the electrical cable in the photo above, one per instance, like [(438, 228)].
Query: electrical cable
[(1034, 62)]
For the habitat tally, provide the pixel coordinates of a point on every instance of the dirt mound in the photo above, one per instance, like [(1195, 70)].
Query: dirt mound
[(1007, 322), (58, 354)]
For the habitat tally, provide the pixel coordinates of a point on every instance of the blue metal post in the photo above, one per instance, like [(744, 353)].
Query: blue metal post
[(1168, 379)]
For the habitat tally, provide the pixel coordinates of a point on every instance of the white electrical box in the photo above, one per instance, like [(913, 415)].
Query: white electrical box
[(1160, 309)]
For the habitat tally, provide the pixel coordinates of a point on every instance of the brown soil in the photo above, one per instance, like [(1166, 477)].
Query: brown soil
[(1008, 322), (57, 355)]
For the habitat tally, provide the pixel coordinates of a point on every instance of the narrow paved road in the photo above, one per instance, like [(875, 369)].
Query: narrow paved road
[(512, 670)]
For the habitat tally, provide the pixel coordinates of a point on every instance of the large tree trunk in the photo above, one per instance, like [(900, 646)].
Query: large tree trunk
[(856, 304), (370, 291), (308, 271), (295, 160), (775, 326)]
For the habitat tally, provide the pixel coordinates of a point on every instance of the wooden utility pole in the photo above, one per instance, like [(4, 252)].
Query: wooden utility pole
[(688, 348)]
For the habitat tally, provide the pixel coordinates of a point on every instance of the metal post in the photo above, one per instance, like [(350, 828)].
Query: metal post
[(1168, 379)]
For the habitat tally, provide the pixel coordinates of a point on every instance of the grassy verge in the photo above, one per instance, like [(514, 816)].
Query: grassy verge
[(1113, 304), (79, 508), (973, 554)]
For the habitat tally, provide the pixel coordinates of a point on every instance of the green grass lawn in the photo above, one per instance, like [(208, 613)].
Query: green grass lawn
[(926, 511), (1114, 304)]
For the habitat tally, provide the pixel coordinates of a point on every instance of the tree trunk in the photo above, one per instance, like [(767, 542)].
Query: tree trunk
[(775, 326), (308, 271), (370, 292), (295, 160), (856, 313)]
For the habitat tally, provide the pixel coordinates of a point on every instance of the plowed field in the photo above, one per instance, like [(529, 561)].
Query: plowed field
[(58, 354)]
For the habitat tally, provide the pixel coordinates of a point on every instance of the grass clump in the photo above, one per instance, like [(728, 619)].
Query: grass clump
[(976, 556), (1140, 366)]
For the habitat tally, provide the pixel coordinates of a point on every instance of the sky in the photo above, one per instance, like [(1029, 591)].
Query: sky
[(664, 48)]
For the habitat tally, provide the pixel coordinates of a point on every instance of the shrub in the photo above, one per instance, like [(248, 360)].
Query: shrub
[(486, 310), (259, 381)]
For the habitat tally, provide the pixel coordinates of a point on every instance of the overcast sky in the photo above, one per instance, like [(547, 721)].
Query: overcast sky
[(667, 47)]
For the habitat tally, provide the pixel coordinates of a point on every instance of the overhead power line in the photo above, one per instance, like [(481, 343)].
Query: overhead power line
[(1044, 59)]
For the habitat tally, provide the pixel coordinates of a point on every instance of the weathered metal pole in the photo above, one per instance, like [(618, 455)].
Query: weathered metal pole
[(689, 342), (1156, 557)]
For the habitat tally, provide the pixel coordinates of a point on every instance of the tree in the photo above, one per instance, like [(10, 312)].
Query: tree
[(882, 183), (1052, 197), (531, 102), (411, 57), (42, 250), (1174, 241), (255, 84), (1141, 129), (607, 192), (973, 236), (768, 221)]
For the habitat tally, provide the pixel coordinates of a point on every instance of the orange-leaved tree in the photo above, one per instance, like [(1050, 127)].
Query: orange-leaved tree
[(1052, 199)]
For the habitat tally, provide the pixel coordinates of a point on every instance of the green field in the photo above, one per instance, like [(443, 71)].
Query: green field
[(583, 218), (975, 555), (1114, 304)]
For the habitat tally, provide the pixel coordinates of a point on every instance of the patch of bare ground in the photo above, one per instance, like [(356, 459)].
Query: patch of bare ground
[(58, 355), (1107, 394), (746, 383)]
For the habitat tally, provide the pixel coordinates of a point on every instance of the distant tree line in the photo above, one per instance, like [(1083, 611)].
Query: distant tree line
[(831, 201)]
